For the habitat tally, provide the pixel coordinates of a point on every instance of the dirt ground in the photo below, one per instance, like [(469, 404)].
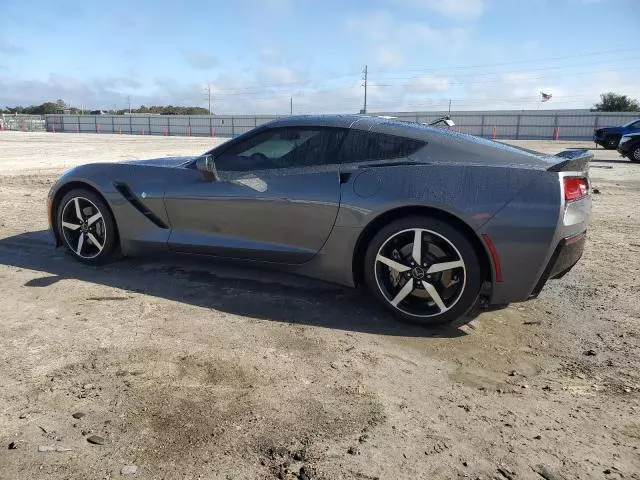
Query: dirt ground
[(201, 370)]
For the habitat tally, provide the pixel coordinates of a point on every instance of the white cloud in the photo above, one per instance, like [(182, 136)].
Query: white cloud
[(387, 57), (244, 92), (428, 84), (377, 25), (522, 91), (279, 75), (457, 9), (270, 55), (382, 26), (450, 38), (520, 77), (199, 60)]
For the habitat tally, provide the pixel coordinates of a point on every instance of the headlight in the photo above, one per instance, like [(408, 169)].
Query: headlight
[(624, 139)]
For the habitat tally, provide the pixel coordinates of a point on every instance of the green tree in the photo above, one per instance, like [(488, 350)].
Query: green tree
[(45, 108), (613, 102)]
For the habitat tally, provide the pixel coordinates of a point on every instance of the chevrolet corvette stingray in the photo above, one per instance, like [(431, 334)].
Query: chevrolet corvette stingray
[(433, 222)]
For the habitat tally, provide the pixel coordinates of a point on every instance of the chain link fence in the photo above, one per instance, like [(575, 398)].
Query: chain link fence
[(526, 124), (515, 125), (22, 123), (141, 124)]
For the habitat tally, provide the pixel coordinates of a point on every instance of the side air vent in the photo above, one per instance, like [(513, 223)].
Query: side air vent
[(138, 205)]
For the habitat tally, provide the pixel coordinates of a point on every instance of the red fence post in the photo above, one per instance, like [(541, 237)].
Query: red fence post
[(53, 127), (556, 133), (493, 133), (142, 130)]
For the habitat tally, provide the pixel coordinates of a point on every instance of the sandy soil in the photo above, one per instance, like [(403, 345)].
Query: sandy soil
[(199, 370)]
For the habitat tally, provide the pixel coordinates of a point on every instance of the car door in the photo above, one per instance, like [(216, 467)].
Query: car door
[(276, 197)]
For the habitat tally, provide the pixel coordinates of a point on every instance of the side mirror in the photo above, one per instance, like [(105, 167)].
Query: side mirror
[(207, 167)]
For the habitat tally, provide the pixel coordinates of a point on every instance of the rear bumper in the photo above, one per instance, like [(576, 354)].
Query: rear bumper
[(565, 256)]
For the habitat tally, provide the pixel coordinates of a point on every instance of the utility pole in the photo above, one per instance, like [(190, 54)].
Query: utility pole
[(208, 88), (291, 105), (364, 84), (129, 102), (449, 106)]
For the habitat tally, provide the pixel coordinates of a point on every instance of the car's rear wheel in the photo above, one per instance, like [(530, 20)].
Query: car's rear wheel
[(86, 226), (611, 142), (423, 270), (634, 155)]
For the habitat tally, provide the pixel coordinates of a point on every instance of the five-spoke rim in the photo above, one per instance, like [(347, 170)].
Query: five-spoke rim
[(83, 227), (420, 272)]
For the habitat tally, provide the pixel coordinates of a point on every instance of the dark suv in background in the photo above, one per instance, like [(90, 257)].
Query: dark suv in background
[(629, 147), (609, 137)]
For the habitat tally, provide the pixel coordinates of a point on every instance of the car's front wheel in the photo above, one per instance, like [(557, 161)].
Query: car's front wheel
[(86, 226), (634, 155), (423, 270)]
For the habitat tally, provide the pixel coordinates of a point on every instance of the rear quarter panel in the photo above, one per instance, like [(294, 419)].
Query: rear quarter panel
[(472, 193), (524, 233)]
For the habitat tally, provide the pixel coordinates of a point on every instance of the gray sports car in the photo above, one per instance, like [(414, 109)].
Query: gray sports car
[(434, 223)]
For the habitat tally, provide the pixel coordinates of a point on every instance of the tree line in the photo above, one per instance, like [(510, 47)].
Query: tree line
[(609, 102), (61, 107)]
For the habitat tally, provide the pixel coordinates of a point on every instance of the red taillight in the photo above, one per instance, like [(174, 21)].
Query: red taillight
[(575, 188)]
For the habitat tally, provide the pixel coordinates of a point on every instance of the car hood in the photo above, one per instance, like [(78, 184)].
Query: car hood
[(167, 162), (611, 129)]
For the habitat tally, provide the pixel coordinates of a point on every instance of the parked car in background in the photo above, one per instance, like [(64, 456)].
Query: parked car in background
[(609, 137), (629, 147)]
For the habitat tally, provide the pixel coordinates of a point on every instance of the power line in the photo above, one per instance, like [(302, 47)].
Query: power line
[(314, 83), (500, 81), (557, 67), (604, 52)]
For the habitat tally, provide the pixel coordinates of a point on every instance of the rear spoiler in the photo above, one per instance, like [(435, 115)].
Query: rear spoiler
[(574, 161)]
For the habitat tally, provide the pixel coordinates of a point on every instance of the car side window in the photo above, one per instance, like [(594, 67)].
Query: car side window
[(280, 148), (362, 146), (636, 125)]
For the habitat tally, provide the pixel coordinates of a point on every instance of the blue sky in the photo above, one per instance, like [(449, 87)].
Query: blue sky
[(256, 54)]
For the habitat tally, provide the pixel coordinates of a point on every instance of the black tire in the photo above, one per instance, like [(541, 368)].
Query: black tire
[(611, 142), (634, 155), (419, 306), (99, 238)]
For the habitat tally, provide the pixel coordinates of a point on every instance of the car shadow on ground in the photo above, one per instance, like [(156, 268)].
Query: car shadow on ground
[(236, 289)]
